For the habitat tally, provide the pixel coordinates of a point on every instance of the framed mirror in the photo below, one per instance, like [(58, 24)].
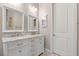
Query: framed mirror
[(32, 23), (13, 20)]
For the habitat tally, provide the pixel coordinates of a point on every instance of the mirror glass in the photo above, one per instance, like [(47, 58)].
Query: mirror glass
[(33, 23), (14, 20)]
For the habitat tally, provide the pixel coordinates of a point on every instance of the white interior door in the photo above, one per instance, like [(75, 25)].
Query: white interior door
[(63, 28)]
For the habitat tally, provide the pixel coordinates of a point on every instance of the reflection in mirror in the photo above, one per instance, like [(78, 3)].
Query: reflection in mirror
[(33, 23), (13, 20), (9, 22)]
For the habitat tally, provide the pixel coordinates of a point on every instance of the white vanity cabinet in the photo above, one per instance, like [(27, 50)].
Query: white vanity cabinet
[(17, 48), (20, 51), (39, 45), (30, 46)]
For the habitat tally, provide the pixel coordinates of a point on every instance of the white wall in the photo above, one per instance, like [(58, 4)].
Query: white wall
[(78, 28), (27, 8), (46, 9), (1, 48)]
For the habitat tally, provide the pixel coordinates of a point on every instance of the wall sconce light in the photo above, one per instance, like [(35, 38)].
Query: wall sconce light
[(32, 8)]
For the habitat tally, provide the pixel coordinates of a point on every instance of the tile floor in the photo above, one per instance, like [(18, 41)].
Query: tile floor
[(48, 54)]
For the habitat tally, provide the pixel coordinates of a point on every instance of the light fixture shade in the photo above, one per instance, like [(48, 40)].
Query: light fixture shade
[(32, 8)]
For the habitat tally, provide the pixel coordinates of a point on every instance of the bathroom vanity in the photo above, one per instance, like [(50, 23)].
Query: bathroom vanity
[(28, 45), (24, 45)]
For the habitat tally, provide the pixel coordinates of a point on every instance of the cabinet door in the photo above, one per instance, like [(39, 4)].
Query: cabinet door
[(28, 49), (20, 51), (25, 51), (13, 52), (37, 45), (33, 46), (41, 44)]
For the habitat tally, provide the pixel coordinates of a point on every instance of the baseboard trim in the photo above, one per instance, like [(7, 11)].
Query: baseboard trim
[(51, 52), (48, 50)]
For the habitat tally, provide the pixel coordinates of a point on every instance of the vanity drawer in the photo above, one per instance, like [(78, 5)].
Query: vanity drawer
[(17, 43), (20, 51)]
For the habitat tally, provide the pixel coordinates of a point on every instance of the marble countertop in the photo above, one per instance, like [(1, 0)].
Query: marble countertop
[(8, 39)]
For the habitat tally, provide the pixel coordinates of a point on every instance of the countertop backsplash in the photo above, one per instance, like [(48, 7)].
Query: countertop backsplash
[(14, 34)]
